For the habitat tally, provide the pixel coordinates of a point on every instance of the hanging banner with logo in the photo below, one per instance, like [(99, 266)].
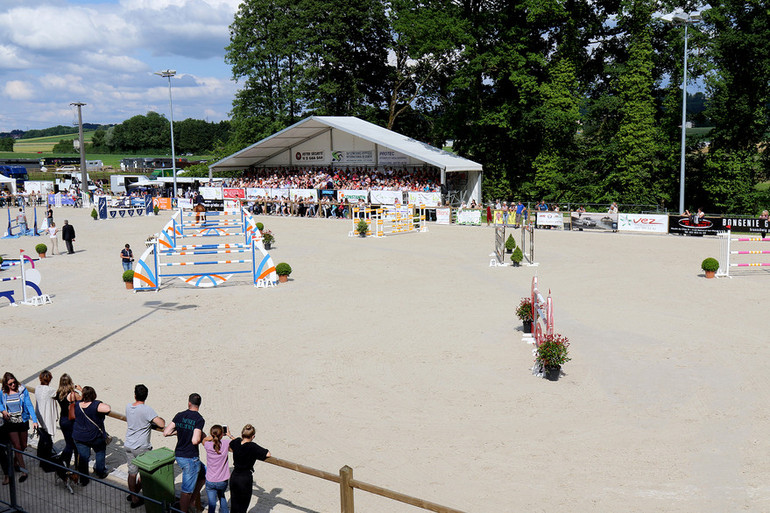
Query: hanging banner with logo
[(184, 203), (753, 225), (300, 194), (386, 197), (651, 223), (162, 203), (469, 217), (691, 225), (352, 195), (594, 221), (211, 193), (310, 156), (429, 199), (233, 193), (391, 158), (353, 157), (277, 193), (443, 215), (253, 193), (555, 219)]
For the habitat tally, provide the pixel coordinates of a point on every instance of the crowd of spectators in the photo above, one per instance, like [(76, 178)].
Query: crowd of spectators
[(358, 178)]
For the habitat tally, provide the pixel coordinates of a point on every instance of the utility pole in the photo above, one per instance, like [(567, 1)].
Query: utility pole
[(83, 172)]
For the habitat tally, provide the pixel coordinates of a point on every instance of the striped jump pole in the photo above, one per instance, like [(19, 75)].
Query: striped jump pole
[(210, 262), (725, 244)]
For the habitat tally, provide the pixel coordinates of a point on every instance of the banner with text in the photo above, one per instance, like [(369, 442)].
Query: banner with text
[(691, 225), (310, 156), (392, 158), (594, 221), (549, 219), (352, 195), (365, 157), (651, 223), (386, 197), (472, 217), (301, 194), (429, 199), (233, 193), (211, 193), (442, 215), (755, 225)]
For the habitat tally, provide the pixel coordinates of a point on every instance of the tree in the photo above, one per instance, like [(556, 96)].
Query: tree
[(64, 146), (6, 143)]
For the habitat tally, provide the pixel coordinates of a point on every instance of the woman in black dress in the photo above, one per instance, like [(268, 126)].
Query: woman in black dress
[(245, 453)]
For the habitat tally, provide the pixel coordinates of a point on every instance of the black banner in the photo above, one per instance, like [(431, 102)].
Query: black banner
[(753, 225), (692, 225)]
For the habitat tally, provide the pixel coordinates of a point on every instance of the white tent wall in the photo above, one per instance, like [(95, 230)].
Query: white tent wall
[(8, 183)]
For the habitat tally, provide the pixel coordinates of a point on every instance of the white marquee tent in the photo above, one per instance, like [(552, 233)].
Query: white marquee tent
[(341, 141), (8, 183)]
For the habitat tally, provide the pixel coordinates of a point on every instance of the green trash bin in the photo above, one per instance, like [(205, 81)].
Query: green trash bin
[(156, 469)]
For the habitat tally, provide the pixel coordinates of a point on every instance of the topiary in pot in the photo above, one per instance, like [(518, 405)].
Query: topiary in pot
[(516, 257), (128, 279), (94, 214), (41, 249), (155, 210), (510, 244), (260, 226), (283, 270), (362, 227), (710, 266)]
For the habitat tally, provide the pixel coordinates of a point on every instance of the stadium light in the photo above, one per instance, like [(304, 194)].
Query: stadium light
[(168, 74)]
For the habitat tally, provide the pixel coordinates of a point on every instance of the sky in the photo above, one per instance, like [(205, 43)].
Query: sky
[(104, 52)]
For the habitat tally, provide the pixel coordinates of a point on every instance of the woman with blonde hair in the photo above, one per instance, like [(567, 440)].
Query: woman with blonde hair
[(67, 393), (245, 453)]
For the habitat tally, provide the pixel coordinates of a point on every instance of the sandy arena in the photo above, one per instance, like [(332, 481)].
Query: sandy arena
[(402, 358)]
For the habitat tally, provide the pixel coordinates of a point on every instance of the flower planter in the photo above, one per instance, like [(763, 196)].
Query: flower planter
[(268, 245), (552, 373), (527, 326), (282, 278), (710, 274), (129, 285), (41, 255)]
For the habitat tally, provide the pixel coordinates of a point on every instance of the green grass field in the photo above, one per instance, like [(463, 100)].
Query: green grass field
[(46, 144)]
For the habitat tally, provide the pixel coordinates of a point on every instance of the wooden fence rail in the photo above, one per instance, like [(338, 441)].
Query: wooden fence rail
[(344, 479)]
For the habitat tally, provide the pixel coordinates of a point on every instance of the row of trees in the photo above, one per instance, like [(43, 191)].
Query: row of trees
[(567, 100)]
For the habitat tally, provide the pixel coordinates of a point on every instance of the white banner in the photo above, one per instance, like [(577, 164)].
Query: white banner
[(277, 193), (353, 157), (386, 197), (655, 223), (232, 205), (253, 193), (429, 199), (211, 193), (310, 156), (442, 215), (303, 193), (550, 219), (184, 203), (392, 158), (469, 217), (352, 195)]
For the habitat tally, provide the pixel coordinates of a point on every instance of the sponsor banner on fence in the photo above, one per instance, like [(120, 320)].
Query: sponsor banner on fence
[(277, 193), (353, 157), (594, 221), (469, 217), (233, 193), (549, 219), (162, 203), (753, 225), (429, 199), (329, 193), (650, 223), (497, 217), (352, 195), (211, 193), (297, 194), (443, 215), (184, 203), (386, 197), (392, 158), (689, 225), (253, 193)]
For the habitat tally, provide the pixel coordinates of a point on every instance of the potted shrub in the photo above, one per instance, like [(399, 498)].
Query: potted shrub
[(524, 313), (516, 257), (710, 266), (552, 353), (268, 239), (41, 249), (260, 227), (128, 279), (362, 227), (94, 214), (510, 244), (283, 270), (155, 210)]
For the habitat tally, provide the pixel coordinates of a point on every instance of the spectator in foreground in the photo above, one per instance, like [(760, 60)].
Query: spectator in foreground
[(188, 428), (217, 469), (245, 454), (89, 433), (67, 393), (17, 409), (140, 419)]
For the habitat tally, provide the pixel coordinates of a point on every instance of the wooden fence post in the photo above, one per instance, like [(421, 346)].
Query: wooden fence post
[(346, 490)]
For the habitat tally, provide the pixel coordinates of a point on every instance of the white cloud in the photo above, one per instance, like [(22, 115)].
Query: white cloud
[(18, 90), (10, 58)]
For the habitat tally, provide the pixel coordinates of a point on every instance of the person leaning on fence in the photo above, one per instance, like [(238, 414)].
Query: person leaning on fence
[(89, 433), (140, 419), (217, 446), (188, 428), (67, 394), (17, 409), (245, 454), (47, 411)]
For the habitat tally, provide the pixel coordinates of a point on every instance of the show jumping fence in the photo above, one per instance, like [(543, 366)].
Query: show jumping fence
[(389, 221), (235, 233), (726, 251)]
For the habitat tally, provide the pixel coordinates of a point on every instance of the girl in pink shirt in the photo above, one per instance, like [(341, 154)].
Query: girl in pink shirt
[(217, 467)]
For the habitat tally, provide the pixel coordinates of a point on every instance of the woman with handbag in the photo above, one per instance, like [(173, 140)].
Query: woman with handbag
[(17, 409), (88, 433), (66, 396)]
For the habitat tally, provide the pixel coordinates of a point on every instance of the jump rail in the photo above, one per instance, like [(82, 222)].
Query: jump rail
[(725, 251)]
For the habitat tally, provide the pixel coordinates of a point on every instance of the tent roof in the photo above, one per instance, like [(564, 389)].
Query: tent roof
[(314, 126)]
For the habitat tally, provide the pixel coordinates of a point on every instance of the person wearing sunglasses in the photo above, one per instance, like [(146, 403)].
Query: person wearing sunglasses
[(17, 410)]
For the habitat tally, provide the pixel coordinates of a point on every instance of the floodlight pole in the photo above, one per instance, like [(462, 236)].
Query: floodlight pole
[(83, 171), (168, 74)]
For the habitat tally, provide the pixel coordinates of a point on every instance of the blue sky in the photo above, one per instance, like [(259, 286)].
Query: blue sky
[(104, 53)]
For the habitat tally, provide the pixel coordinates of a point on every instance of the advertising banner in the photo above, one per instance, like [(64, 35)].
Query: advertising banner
[(392, 158), (442, 215), (148, 204), (753, 225), (184, 203), (234, 193), (469, 217), (310, 156), (650, 223), (211, 193), (329, 193), (162, 203), (277, 193), (101, 201), (429, 199), (550, 219), (594, 221), (386, 197), (253, 193), (690, 225), (497, 217), (296, 194), (352, 195), (353, 157)]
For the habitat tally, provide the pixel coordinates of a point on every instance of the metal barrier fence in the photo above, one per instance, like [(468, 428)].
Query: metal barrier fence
[(57, 490)]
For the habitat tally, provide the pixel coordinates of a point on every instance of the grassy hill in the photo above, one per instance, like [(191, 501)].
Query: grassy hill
[(38, 145)]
